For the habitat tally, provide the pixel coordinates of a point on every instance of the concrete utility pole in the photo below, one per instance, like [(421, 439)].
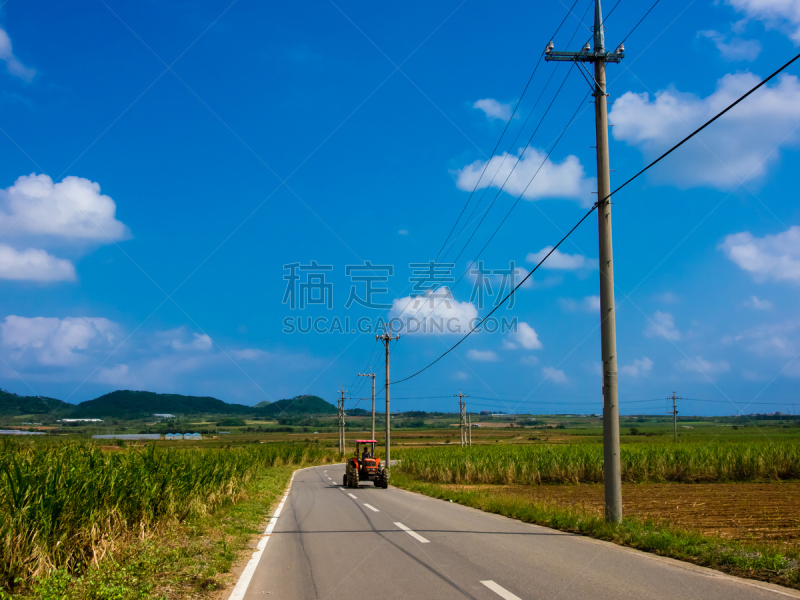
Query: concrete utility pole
[(372, 375), (469, 426), (674, 415), (462, 416), (386, 337), (608, 334), (342, 392)]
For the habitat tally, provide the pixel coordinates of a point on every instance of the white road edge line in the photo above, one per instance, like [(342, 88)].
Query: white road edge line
[(500, 590), (372, 508), (351, 495), (244, 579), (415, 535)]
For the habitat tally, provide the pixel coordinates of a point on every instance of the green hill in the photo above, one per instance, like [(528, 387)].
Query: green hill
[(299, 405), (13, 404), (125, 404)]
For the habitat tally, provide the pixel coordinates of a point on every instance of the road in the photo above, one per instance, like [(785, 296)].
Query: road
[(331, 542)]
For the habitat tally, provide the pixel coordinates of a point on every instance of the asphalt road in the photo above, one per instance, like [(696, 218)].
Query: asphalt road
[(331, 542)]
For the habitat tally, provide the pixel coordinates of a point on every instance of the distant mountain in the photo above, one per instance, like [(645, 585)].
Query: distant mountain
[(12, 405), (299, 405), (125, 404)]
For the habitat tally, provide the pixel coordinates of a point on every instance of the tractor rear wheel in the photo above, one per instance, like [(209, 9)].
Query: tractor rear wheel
[(354, 478), (382, 480)]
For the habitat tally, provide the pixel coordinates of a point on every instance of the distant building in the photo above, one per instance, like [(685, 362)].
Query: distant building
[(128, 436), (80, 420), (163, 416)]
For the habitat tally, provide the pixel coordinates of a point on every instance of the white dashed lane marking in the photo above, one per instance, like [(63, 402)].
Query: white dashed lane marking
[(500, 590), (351, 495), (372, 508), (413, 534)]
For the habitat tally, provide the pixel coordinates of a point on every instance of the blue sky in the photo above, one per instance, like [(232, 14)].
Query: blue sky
[(163, 162)]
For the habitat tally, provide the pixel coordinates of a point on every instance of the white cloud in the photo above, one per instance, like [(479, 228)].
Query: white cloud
[(552, 180), (249, 354), (53, 341), (559, 260), (735, 49), (12, 62), (199, 341), (770, 340), (402, 231), (758, 303), (706, 367), (33, 265), (589, 304), (460, 376), (529, 360), (662, 324), (494, 109), (773, 257), (436, 311), (783, 15), (482, 355), (640, 367), (739, 147), (525, 336), (73, 209), (554, 375)]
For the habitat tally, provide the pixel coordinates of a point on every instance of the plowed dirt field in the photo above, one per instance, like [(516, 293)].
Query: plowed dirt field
[(766, 512)]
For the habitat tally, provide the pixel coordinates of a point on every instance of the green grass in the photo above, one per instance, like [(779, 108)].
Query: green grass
[(189, 559), (583, 463), (67, 508), (756, 561)]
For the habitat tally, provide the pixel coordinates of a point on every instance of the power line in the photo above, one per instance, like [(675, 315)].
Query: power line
[(600, 201), (639, 23), (500, 139), (511, 148), (369, 364), (541, 165), (516, 164), (513, 206), (704, 125), (467, 221), (529, 141)]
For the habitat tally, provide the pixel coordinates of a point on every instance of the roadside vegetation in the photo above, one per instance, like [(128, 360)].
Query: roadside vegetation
[(78, 520), (583, 463)]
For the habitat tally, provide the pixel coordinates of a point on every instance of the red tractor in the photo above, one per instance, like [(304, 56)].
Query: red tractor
[(364, 465)]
